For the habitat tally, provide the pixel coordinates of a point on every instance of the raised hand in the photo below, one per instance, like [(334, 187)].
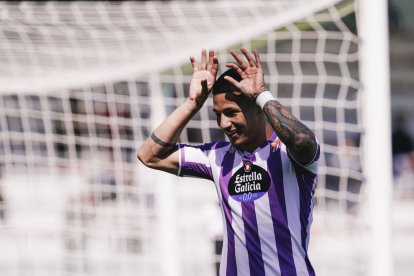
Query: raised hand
[(252, 83), (204, 77)]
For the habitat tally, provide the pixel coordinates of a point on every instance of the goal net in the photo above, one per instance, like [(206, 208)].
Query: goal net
[(82, 84)]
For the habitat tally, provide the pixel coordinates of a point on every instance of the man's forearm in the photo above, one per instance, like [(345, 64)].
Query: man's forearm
[(162, 141), (298, 138)]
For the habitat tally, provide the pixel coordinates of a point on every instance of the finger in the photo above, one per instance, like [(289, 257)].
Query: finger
[(214, 67), (257, 57), (203, 59), (193, 64), (248, 57), (238, 69), (233, 81), (239, 60), (210, 59)]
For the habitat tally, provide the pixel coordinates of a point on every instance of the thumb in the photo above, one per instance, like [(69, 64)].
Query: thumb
[(233, 81)]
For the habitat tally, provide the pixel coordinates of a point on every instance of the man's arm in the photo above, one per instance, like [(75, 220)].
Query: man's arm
[(298, 138), (159, 151)]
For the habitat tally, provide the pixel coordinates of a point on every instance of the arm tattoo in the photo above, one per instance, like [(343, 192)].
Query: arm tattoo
[(167, 147), (161, 142), (298, 138)]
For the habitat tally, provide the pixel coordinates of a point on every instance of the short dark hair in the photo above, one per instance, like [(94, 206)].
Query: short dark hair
[(223, 86)]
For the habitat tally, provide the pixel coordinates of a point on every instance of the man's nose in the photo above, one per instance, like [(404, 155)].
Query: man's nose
[(224, 122)]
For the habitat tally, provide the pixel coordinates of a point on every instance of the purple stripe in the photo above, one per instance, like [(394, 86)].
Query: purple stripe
[(250, 157), (221, 144), (251, 231), (306, 182), (196, 170), (225, 175), (279, 215), (311, 271)]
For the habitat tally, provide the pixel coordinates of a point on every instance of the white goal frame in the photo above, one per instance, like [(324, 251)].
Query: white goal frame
[(375, 78), (79, 69)]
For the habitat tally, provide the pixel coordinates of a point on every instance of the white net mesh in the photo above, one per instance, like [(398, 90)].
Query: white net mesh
[(82, 85)]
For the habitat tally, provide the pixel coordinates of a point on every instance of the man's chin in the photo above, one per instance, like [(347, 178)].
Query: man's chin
[(237, 143), (233, 140)]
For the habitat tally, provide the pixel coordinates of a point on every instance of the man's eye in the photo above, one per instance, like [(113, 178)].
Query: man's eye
[(229, 113)]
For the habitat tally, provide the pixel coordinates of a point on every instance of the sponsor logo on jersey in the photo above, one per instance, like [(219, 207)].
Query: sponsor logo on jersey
[(249, 183)]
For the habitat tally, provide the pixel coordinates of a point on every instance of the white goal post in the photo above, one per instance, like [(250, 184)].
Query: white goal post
[(375, 77), (83, 83)]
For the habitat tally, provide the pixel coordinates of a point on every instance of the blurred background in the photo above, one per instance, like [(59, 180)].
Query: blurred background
[(82, 85)]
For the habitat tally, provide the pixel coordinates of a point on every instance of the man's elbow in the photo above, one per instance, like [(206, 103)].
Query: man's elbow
[(305, 148), (148, 160), (145, 159)]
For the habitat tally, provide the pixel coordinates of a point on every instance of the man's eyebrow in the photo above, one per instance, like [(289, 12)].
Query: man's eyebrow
[(225, 110)]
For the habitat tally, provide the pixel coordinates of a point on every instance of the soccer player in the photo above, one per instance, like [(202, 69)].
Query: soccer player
[(265, 176)]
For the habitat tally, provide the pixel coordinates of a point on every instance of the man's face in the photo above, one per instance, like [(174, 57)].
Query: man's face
[(238, 118)]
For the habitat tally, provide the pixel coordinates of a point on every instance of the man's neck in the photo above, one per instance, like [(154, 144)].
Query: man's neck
[(260, 140), (269, 131)]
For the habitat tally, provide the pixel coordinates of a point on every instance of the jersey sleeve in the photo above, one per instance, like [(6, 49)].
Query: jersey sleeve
[(311, 166), (194, 161)]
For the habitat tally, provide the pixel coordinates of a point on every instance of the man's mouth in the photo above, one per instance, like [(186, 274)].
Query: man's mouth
[(230, 132)]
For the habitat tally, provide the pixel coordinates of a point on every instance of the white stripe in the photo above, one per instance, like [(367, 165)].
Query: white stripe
[(180, 149), (216, 158), (292, 202), (310, 219), (196, 155), (242, 257), (267, 236), (223, 260)]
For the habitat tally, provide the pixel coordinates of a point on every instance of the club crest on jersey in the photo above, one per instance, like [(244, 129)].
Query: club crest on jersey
[(249, 183), (276, 144), (247, 166)]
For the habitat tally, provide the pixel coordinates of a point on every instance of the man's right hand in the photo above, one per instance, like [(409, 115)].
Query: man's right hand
[(204, 77)]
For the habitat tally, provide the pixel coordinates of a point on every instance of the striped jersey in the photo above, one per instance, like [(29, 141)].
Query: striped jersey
[(266, 203)]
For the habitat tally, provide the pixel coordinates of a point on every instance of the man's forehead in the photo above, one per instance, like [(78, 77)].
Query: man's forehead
[(225, 98), (230, 98)]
